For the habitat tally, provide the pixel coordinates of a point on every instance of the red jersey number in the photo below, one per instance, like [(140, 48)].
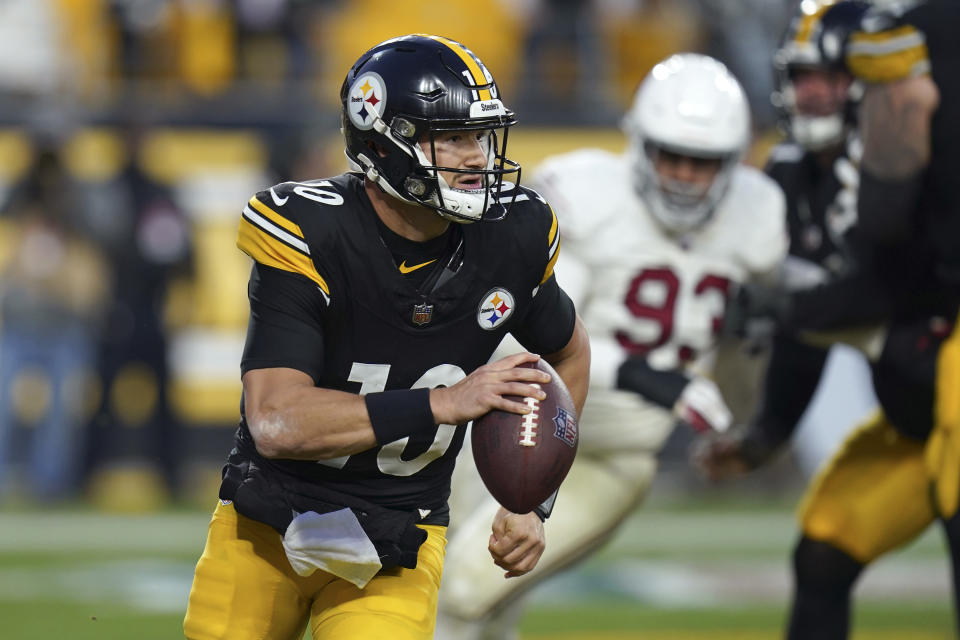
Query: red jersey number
[(663, 313)]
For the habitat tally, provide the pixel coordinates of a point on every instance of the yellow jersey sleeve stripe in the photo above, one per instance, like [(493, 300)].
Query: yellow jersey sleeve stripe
[(478, 76), (889, 41), (554, 226), (889, 55), (553, 261), (275, 217), (553, 243), (266, 225), (268, 250)]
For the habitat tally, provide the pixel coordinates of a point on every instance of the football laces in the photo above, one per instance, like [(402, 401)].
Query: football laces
[(528, 423)]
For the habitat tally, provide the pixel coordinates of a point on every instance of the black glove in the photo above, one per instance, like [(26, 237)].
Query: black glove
[(756, 311), (724, 455)]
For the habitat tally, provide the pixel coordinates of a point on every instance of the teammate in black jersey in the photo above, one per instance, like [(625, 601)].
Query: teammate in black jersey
[(900, 471), (371, 320), (817, 170)]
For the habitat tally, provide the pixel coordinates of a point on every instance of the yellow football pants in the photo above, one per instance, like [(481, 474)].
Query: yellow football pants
[(245, 589), (873, 495), (943, 447)]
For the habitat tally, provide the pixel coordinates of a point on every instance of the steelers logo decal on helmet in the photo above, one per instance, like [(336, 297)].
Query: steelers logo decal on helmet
[(495, 307), (367, 100)]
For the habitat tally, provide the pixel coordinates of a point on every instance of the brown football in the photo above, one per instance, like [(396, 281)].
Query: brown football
[(523, 458)]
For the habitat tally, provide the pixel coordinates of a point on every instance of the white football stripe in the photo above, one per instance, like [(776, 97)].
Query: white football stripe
[(274, 230), (899, 43), (554, 246)]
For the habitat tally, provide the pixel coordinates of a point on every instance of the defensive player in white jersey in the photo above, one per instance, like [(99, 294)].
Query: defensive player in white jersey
[(654, 241)]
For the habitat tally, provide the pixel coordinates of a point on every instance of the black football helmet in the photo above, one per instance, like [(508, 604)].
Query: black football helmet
[(817, 38), (403, 92)]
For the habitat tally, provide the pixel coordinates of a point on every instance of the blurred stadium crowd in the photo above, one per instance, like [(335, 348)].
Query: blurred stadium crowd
[(131, 133)]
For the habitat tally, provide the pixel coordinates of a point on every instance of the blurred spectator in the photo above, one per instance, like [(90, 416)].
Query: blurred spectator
[(141, 27), (146, 239), (565, 65), (744, 34), (640, 33), (190, 42), (273, 42), (53, 285), (205, 35)]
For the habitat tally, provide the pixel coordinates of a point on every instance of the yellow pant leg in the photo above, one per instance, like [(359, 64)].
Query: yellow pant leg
[(244, 587), (872, 496), (943, 447), (400, 604)]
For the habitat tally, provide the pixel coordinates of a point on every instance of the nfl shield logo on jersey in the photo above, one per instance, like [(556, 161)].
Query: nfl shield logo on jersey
[(566, 427), (422, 314), (495, 307)]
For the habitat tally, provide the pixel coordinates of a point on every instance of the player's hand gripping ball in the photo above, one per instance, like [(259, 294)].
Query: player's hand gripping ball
[(523, 458)]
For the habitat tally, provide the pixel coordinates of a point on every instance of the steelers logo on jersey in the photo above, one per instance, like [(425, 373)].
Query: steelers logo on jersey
[(495, 307), (368, 99)]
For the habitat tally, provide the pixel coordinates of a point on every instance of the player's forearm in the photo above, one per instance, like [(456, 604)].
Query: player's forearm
[(573, 364), (792, 378), (303, 422), (858, 299), (895, 126)]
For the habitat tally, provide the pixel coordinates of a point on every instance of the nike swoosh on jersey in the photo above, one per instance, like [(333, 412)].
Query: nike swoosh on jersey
[(277, 200), (405, 269)]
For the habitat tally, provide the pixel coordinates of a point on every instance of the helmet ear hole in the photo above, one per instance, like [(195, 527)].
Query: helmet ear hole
[(416, 187), (377, 149), (404, 128)]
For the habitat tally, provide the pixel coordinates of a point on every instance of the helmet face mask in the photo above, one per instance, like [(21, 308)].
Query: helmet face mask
[(437, 186), (683, 199), (688, 127), (402, 100), (815, 43)]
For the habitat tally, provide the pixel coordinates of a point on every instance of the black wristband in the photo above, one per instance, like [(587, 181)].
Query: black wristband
[(662, 388), (399, 413), (544, 509)]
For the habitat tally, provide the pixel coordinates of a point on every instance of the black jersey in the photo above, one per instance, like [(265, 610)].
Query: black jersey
[(821, 203), (910, 39), (327, 298), (821, 214)]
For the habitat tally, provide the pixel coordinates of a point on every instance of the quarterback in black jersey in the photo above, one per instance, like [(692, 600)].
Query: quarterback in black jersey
[(375, 305), (900, 471)]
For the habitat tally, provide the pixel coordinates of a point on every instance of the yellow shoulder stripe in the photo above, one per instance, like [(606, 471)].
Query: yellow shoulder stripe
[(554, 225), (275, 217), (553, 261), (475, 70), (269, 251), (888, 55), (553, 247)]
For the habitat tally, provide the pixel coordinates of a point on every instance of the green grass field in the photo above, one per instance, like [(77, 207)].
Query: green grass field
[(678, 574)]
